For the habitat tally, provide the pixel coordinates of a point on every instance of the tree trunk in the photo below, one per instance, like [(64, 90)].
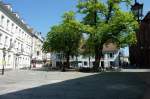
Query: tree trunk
[(98, 54), (89, 61), (68, 60)]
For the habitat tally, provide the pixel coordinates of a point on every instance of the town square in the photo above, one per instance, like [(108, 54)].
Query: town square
[(75, 85), (74, 49)]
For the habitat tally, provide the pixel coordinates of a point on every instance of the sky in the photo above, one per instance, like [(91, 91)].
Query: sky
[(43, 14)]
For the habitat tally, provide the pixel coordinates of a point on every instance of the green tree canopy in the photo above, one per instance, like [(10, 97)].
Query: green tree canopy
[(103, 21), (108, 22), (65, 37)]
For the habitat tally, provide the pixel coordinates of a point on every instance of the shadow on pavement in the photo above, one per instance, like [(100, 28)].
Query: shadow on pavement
[(98, 86)]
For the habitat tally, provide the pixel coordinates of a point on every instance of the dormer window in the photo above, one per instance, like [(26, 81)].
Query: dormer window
[(16, 15), (8, 7)]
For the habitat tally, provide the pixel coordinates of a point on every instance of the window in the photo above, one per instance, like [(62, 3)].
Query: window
[(9, 60), (58, 56), (2, 21), (5, 43), (22, 34), (0, 38), (112, 63), (19, 34), (38, 53), (16, 29), (111, 55), (12, 27), (7, 26), (102, 63), (22, 50), (19, 30), (18, 46), (85, 63), (20, 60), (10, 43), (25, 37)]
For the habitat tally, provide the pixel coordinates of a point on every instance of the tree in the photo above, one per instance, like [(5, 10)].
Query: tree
[(86, 48), (109, 22), (65, 37)]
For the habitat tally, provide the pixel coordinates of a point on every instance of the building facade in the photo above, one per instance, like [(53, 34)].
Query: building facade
[(15, 40), (38, 57), (140, 53), (109, 58)]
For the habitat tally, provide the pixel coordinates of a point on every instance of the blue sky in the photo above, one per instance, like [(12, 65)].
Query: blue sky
[(42, 14)]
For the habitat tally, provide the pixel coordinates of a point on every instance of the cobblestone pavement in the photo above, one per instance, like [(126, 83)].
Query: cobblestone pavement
[(70, 85)]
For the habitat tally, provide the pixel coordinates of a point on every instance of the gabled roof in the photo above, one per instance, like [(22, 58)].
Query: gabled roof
[(110, 47), (147, 17)]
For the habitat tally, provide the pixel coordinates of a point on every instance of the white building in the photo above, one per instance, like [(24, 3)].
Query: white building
[(109, 58), (15, 39)]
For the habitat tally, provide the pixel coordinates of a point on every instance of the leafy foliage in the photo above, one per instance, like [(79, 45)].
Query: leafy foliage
[(65, 38), (109, 22), (103, 21)]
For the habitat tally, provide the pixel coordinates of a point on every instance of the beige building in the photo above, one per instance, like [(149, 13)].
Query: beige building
[(37, 55)]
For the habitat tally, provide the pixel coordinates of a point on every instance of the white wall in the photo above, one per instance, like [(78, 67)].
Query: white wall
[(107, 59), (11, 32)]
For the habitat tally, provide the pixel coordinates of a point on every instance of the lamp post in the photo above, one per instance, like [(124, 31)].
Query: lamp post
[(137, 10), (4, 62), (4, 55)]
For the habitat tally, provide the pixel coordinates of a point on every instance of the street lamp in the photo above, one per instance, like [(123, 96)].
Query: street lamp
[(4, 63), (137, 10), (4, 56)]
